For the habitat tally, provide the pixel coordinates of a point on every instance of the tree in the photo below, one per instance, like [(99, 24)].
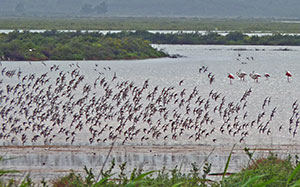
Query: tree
[(235, 36)]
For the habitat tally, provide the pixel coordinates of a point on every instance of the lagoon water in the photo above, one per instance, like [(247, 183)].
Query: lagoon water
[(276, 130)]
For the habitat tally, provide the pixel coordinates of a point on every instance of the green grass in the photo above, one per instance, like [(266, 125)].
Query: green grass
[(150, 23), (266, 171), (270, 171)]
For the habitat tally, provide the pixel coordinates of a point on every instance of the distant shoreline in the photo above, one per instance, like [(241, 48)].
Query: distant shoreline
[(151, 23)]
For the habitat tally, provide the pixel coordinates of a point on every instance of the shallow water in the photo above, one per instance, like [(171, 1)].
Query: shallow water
[(272, 130), (168, 72)]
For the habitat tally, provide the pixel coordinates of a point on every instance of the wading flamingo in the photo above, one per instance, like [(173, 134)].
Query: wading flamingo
[(241, 75), (267, 75), (254, 76), (230, 76), (288, 74)]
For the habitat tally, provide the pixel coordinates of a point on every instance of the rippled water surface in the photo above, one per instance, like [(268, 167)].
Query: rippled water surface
[(187, 109)]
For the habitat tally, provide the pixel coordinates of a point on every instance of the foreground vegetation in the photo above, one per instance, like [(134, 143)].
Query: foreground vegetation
[(270, 171), (148, 23), (53, 45)]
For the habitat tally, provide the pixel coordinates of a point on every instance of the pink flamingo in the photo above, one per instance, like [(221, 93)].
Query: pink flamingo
[(241, 74), (254, 76), (288, 74), (230, 76), (267, 75)]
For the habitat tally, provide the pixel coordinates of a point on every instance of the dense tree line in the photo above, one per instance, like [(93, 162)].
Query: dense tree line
[(233, 38), (53, 45)]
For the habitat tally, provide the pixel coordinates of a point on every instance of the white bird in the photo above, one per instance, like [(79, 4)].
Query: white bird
[(254, 76), (241, 74)]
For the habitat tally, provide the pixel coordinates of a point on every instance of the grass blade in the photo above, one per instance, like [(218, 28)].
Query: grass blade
[(102, 181), (252, 180), (296, 170), (296, 184), (139, 179), (263, 184), (141, 176), (227, 163), (106, 159), (178, 184)]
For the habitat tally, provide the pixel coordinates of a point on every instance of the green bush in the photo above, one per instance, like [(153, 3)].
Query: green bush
[(73, 46), (270, 171)]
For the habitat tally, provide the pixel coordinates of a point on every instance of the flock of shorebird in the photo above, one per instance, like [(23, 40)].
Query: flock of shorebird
[(64, 106)]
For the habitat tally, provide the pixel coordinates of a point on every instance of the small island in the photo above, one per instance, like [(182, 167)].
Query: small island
[(55, 45)]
